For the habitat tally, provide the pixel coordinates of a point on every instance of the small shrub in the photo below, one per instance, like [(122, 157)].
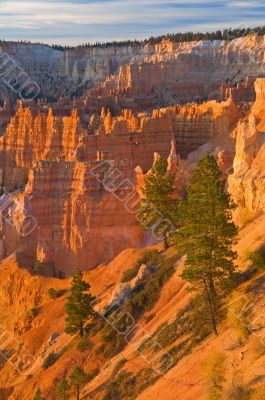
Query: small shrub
[(128, 386), (38, 395), (257, 258), (201, 323), (141, 299), (92, 374), (237, 389), (149, 257), (55, 293), (167, 333), (83, 344), (33, 312), (40, 267), (169, 359), (63, 390), (239, 317), (149, 318), (121, 387), (118, 366), (214, 375), (130, 273), (50, 360)]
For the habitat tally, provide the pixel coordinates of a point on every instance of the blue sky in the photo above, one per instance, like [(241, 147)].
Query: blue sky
[(80, 21)]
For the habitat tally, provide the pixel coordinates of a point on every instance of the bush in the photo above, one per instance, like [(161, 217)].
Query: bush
[(128, 386), (92, 374), (118, 366), (167, 333), (50, 360), (111, 341), (149, 318), (83, 344), (257, 258), (201, 323), (33, 312), (237, 390), (41, 267), (54, 293), (141, 299), (121, 387), (214, 375), (239, 317), (149, 257), (173, 356)]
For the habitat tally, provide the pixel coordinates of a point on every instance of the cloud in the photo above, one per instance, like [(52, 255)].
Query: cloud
[(246, 4), (77, 21)]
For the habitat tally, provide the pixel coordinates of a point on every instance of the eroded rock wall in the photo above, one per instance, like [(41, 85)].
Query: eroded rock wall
[(150, 75)]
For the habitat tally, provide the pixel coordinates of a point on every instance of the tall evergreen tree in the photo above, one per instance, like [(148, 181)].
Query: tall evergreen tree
[(158, 209), (207, 234), (79, 306), (38, 395), (78, 378), (63, 390)]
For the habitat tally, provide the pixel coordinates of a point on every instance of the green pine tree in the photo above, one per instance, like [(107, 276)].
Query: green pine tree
[(158, 209), (207, 234), (38, 395), (63, 390), (78, 378), (79, 307)]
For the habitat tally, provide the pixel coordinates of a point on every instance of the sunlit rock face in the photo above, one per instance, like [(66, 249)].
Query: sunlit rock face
[(49, 162), (76, 167), (247, 184), (150, 75), (81, 221)]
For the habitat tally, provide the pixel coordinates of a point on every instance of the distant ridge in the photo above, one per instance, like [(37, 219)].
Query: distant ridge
[(226, 34)]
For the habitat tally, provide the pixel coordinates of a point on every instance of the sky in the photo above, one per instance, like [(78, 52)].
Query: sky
[(80, 21)]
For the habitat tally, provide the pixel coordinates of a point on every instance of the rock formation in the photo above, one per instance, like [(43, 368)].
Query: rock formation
[(71, 173), (67, 172), (247, 183), (78, 184), (140, 75)]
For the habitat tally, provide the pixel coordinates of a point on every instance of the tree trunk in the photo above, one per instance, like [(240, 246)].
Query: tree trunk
[(166, 245), (78, 393), (212, 288), (214, 324), (81, 330)]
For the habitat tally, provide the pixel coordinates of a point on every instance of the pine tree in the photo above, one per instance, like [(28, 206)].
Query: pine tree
[(63, 390), (158, 208), (78, 378), (207, 234), (38, 395), (79, 306)]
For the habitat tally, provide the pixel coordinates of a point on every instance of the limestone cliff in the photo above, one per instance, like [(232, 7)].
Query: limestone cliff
[(247, 183), (152, 74), (48, 154), (82, 217)]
